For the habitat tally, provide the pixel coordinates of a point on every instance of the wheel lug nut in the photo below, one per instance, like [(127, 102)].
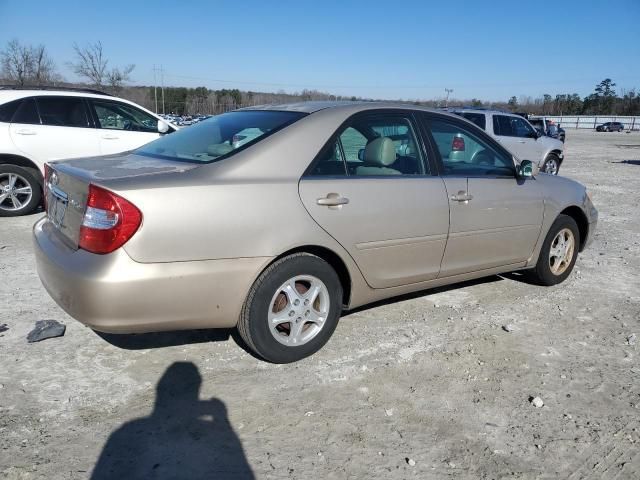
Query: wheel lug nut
[(292, 313), (297, 302)]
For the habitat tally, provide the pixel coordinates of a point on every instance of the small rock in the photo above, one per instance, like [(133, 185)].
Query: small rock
[(3, 327), (410, 461), (451, 465), (46, 329), (508, 328), (538, 446), (308, 414), (388, 412), (632, 339), (537, 402)]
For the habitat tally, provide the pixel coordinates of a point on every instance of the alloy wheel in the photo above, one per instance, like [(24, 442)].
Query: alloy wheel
[(15, 192), (551, 166), (298, 310), (561, 251)]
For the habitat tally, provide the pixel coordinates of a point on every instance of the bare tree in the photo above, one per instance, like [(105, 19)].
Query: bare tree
[(27, 65), (91, 64), (116, 77)]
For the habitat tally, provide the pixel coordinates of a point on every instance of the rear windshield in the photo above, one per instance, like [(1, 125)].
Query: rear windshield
[(220, 136)]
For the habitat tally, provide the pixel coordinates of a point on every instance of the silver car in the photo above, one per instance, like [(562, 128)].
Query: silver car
[(319, 213)]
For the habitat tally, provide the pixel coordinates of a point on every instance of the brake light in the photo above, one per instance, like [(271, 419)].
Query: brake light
[(109, 221), (45, 188), (457, 145)]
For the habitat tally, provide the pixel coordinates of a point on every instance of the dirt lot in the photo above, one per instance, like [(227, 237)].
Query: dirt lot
[(424, 387)]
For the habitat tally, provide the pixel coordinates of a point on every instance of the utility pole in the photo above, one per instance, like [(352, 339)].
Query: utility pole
[(155, 87), (448, 90), (162, 80)]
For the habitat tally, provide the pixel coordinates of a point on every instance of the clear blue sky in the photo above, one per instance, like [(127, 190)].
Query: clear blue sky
[(382, 49)]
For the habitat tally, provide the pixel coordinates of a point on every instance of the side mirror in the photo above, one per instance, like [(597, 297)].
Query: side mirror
[(163, 127), (535, 134), (526, 169)]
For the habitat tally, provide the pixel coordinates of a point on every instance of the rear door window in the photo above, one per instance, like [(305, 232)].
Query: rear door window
[(502, 126), (478, 118), (27, 113), (373, 145), (8, 109), (63, 111)]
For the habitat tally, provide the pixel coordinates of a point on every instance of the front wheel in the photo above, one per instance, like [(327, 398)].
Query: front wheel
[(292, 309), (558, 253), (20, 191), (551, 164)]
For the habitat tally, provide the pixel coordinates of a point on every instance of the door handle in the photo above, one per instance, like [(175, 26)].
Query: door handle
[(332, 200), (110, 137), (462, 197), (521, 141), (25, 131)]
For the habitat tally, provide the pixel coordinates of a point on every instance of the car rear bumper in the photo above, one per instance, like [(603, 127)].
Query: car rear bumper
[(114, 294)]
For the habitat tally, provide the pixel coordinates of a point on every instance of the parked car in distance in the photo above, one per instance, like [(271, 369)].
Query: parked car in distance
[(39, 124), (279, 235), (610, 127), (547, 127), (516, 134)]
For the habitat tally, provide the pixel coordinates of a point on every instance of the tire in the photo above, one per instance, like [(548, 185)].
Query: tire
[(551, 164), (547, 271), (264, 322), (26, 191)]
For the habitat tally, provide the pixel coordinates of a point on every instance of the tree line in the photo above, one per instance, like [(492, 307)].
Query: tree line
[(28, 65)]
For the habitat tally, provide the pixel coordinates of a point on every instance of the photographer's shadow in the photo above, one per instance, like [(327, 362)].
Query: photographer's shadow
[(184, 437)]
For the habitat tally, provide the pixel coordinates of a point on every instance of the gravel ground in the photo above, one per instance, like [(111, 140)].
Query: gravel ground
[(429, 386)]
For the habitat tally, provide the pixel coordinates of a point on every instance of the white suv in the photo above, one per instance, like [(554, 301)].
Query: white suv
[(518, 136), (39, 125)]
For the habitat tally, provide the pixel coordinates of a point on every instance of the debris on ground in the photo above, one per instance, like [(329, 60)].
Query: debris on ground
[(46, 329), (631, 339), (537, 402), (507, 328), (3, 327), (410, 461)]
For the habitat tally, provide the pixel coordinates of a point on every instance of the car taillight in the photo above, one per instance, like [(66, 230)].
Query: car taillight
[(457, 145), (45, 188), (109, 221)]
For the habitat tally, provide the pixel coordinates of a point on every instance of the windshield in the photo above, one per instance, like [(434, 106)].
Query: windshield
[(220, 136)]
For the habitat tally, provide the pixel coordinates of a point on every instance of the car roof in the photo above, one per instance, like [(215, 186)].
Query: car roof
[(7, 95), (483, 111), (350, 107)]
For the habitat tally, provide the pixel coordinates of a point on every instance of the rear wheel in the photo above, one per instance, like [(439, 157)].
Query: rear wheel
[(20, 191), (559, 252), (551, 164), (292, 309)]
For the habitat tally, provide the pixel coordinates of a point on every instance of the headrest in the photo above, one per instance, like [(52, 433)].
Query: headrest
[(380, 152)]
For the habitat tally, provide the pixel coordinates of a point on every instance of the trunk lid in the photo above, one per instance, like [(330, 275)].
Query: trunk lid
[(67, 185)]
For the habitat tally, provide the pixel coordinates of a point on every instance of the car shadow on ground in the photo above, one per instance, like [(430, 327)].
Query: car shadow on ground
[(143, 341), (629, 162), (184, 437), (425, 293)]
